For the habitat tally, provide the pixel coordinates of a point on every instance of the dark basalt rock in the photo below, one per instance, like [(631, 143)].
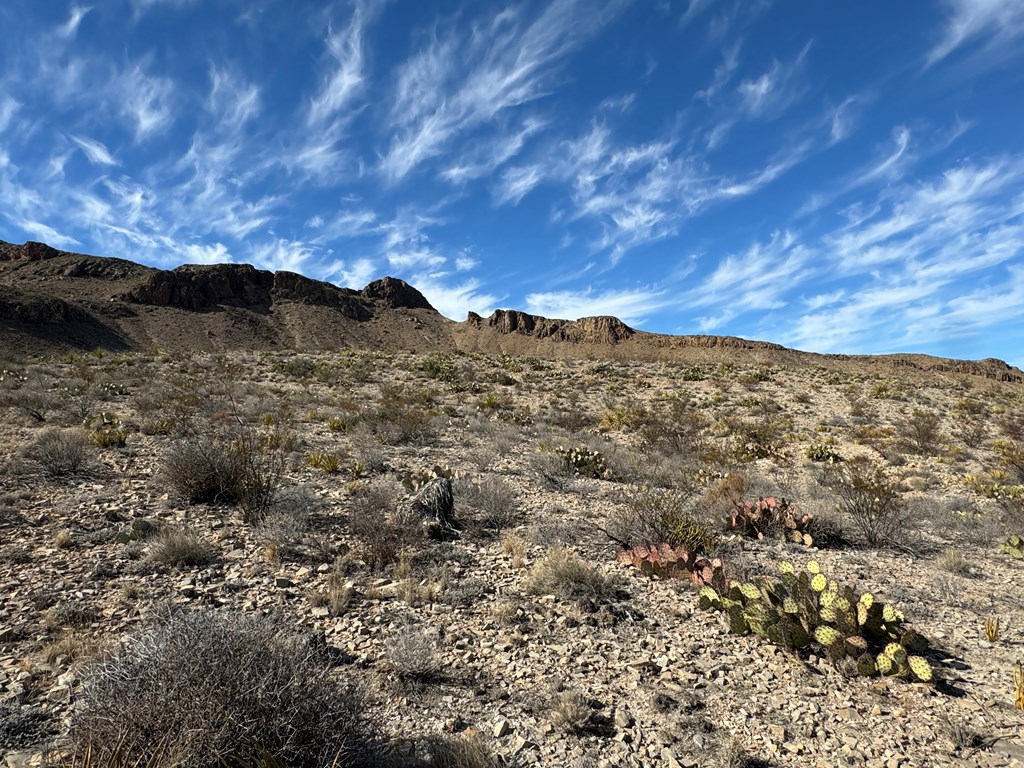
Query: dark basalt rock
[(396, 294), (591, 330)]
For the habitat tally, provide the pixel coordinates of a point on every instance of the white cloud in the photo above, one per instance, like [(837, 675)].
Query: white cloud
[(216, 253), (355, 274), (996, 27), (94, 150), (415, 258), (70, 27), (8, 107), (232, 102), (505, 63), (146, 101), (454, 300), (630, 306), (346, 78), (44, 233), (516, 183), (769, 95)]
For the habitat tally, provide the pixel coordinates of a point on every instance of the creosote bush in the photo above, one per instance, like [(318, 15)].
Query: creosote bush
[(202, 690), (872, 501)]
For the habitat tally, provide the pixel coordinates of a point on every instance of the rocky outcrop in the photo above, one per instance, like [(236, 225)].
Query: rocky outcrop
[(290, 286), (396, 294), (590, 330), (30, 251), (196, 287)]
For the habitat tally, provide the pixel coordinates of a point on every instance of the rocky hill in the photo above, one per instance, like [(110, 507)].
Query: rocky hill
[(54, 301)]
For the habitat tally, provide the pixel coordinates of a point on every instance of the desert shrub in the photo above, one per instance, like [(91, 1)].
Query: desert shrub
[(494, 500), (464, 750), (921, 430), (243, 469), (656, 515), (384, 530), (872, 501), (59, 452), (413, 654), (562, 573), (207, 690), (181, 548), (674, 428), (404, 417), (825, 454), (202, 471), (571, 712), (28, 394), (1011, 457)]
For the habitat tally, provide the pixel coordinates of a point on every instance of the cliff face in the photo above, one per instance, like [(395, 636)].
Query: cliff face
[(590, 330), (396, 294)]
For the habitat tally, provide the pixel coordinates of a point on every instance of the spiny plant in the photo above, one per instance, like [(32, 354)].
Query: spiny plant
[(822, 453), (414, 480), (806, 610), (1018, 680), (664, 560), (770, 516), (328, 462), (992, 628), (1014, 547), (584, 462)]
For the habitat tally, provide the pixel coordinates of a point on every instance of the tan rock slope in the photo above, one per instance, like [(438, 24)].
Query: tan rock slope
[(54, 301)]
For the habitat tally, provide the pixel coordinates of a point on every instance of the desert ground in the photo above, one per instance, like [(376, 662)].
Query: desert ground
[(523, 633)]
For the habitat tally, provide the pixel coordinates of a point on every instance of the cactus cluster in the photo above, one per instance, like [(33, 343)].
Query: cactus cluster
[(766, 516), (822, 453), (1014, 547), (414, 480), (665, 560), (585, 463), (804, 610)]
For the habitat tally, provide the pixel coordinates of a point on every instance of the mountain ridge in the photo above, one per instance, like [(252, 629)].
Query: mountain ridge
[(56, 301)]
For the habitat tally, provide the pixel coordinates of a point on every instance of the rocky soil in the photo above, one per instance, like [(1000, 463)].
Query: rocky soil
[(631, 674)]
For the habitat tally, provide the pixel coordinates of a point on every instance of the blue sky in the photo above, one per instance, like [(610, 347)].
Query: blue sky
[(835, 177)]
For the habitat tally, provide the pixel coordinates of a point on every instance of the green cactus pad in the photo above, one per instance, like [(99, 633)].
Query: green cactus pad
[(856, 644), (885, 664), (789, 605), (827, 636), (920, 668), (914, 641), (842, 605), (867, 599), (813, 567), (819, 582), (750, 591), (828, 615), (897, 653), (709, 599), (827, 598), (866, 665), (890, 615), (786, 567), (737, 621)]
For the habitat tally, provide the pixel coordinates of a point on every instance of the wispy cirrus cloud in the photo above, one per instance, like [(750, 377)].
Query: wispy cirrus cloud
[(505, 62), (767, 96), (994, 27), (631, 306), (70, 28), (97, 153)]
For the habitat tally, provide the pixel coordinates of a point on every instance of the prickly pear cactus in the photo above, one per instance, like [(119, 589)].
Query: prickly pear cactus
[(802, 609)]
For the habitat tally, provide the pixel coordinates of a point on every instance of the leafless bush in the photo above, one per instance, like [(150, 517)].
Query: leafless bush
[(382, 531), (202, 690), (494, 500), (571, 712), (674, 429), (872, 500), (921, 430), (58, 451)]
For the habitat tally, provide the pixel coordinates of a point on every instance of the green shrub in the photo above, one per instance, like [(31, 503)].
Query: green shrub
[(872, 500)]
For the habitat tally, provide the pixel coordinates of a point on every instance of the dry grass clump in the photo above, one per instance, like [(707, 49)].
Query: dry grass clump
[(571, 712), (59, 452), (493, 499), (564, 574), (181, 548), (205, 690)]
